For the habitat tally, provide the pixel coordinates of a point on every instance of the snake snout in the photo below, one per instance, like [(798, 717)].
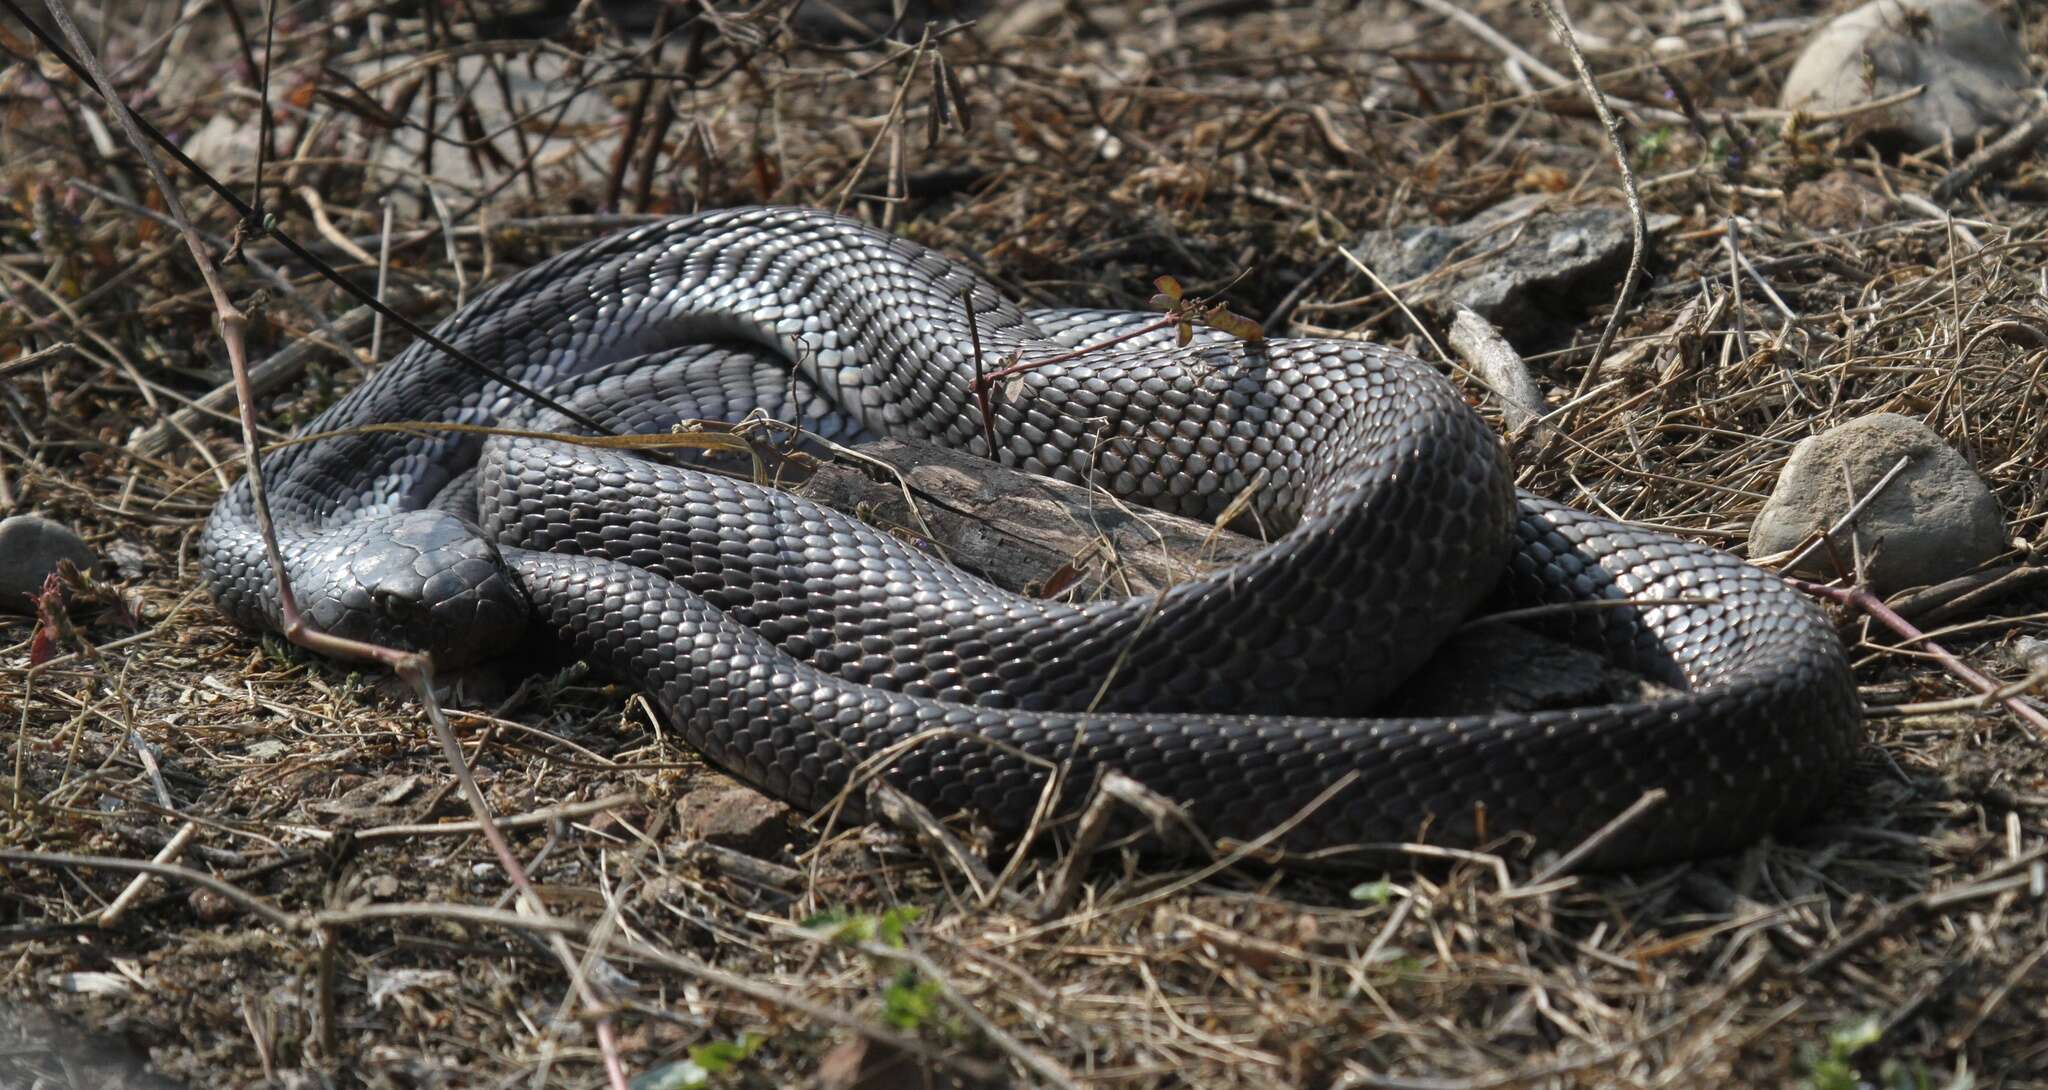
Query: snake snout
[(420, 581)]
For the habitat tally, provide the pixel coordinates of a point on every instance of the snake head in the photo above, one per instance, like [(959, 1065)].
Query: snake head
[(418, 581)]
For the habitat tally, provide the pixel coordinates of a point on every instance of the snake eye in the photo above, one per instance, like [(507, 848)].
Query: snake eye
[(399, 607)]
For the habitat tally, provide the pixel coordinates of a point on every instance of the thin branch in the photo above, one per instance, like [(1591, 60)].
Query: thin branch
[(1875, 607), (1638, 226)]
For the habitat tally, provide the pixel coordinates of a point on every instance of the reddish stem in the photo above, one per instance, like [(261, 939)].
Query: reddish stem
[(1875, 607)]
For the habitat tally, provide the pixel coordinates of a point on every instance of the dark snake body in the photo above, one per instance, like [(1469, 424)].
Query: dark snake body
[(790, 643)]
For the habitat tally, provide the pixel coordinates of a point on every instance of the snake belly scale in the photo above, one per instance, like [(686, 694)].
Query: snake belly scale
[(790, 642)]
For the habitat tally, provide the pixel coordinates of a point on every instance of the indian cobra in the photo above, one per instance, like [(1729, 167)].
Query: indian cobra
[(792, 643)]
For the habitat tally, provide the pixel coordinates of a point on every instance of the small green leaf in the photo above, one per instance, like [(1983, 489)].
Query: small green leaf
[(1373, 893), (1847, 1040), (1832, 1069), (908, 1002), (1169, 287), (841, 927), (718, 1057), (823, 921), (894, 920)]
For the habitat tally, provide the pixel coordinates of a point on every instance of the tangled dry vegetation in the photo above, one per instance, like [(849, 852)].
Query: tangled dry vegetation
[(351, 935)]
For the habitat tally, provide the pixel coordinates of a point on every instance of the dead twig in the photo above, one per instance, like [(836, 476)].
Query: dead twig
[(1638, 225), (1997, 155), (1570, 860), (1871, 604)]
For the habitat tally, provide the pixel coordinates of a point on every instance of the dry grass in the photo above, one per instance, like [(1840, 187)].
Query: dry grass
[(1104, 144)]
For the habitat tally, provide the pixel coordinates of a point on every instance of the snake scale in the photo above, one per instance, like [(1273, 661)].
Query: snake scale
[(790, 643)]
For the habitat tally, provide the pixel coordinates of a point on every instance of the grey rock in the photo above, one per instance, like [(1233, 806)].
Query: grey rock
[(1971, 63), (1934, 521), (1516, 264), (579, 135), (30, 547), (269, 749), (224, 144)]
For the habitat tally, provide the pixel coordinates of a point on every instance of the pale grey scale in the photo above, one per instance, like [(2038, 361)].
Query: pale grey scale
[(1393, 499), (654, 393)]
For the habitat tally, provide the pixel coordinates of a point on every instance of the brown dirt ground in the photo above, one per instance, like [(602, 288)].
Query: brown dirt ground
[(1900, 941)]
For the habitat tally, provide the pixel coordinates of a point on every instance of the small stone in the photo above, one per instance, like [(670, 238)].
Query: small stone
[(225, 143), (130, 560), (1538, 262), (736, 817), (1840, 200), (211, 907), (1971, 64), (30, 547), (860, 1063), (1934, 521)]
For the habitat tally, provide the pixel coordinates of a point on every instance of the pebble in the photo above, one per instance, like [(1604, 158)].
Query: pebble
[(736, 817), (1970, 61), (1840, 200), (2032, 654), (1934, 521), (30, 547)]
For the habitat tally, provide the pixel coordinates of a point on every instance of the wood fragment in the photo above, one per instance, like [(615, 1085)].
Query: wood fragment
[(113, 913), (1490, 355), (1018, 529), (1967, 594), (1997, 155)]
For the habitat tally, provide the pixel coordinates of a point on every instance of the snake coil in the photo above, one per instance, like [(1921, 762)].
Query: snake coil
[(790, 643)]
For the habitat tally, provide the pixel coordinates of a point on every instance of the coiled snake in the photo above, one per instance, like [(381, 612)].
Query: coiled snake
[(790, 643)]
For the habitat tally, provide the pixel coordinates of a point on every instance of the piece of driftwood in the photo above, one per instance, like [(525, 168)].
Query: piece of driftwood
[(1029, 533), (1018, 530), (1967, 594), (1483, 349)]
